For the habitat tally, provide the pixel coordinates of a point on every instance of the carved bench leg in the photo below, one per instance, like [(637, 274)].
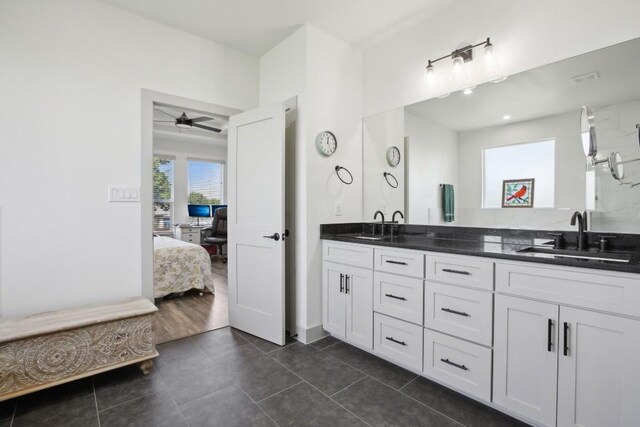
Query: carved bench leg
[(146, 366)]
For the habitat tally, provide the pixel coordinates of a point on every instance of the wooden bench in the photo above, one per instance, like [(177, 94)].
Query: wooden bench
[(47, 349)]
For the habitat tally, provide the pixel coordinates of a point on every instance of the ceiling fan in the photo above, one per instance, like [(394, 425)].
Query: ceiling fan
[(184, 122)]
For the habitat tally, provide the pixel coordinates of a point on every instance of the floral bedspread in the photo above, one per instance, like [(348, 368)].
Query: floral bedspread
[(179, 266)]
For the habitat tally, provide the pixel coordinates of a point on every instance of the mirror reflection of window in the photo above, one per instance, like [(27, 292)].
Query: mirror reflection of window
[(519, 161)]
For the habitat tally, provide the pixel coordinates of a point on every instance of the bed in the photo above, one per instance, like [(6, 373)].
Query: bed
[(179, 266)]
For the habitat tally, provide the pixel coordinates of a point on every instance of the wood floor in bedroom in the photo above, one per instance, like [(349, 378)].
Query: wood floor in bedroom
[(193, 314)]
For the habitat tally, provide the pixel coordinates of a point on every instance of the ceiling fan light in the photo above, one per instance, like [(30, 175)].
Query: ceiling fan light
[(182, 125)]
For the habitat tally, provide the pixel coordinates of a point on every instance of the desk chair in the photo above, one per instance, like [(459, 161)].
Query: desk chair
[(217, 233)]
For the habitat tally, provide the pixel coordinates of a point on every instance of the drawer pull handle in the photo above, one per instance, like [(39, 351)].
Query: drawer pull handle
[(549, 330), (449, 270), (448, 362), (566, 342), (341, 282), (395, 297), (396, 341), (396, 262), (459, 313)]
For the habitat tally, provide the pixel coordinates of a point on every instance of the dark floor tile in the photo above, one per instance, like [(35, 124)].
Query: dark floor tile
[(5, 423), (324, 372), (390, 374), (302, 405), (457, 406), (124, 384), (255, 372), (219, 340), (264, 345), (6, 409), (325, 342), (226, 407), (191, 378), (379, 404), (157, 410), (181, 349), (68, 405)]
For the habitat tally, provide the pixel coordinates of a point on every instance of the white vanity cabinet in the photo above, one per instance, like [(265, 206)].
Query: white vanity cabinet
[(348, 303), (562, 365), (553, 345)]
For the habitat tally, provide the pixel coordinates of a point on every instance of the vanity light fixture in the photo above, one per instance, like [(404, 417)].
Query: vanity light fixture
[(462, 55)]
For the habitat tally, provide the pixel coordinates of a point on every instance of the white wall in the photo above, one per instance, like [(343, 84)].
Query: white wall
[(325, 74), (432, 157), (182, 151), (380, 132), (525, 34), (71, 74)]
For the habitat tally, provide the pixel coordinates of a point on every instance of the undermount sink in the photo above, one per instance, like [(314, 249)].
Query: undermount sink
[(568, 253)]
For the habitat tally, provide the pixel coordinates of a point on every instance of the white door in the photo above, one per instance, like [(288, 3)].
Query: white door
[(256, 171), (525, 360), (358, 287), (599, 377), (334, 314)]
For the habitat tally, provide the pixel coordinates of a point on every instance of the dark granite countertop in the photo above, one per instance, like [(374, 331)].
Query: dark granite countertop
[(491, 243)]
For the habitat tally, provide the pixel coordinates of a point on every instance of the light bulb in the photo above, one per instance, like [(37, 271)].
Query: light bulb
[(458, 62), (469, 90), (488, 50), (429, 72)]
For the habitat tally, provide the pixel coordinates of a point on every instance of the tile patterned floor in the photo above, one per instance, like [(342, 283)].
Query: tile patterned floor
[(229, 378)]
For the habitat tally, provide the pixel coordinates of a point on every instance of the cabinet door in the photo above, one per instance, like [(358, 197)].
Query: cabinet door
[(359, 291), (599, 377), (525, 365), (334, 310)]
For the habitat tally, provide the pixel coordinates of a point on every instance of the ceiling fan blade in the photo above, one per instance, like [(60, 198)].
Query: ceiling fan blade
[(195, 125), (164, 121), (201, 119), (162, 111)]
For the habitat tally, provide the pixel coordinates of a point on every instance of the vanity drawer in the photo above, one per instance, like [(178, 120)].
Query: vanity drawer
[(398, 341), (407, 263), (398, 296), (458, 363), (348, 253), (460, 270), (589, 288), (462, 312)]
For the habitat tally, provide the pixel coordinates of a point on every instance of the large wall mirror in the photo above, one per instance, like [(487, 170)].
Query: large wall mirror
[(529, 131)]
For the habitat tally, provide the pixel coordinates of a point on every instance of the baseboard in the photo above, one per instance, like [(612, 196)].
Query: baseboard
[(309, 335)]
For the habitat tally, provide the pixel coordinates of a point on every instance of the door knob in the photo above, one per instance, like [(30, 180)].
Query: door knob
[(274, 236)]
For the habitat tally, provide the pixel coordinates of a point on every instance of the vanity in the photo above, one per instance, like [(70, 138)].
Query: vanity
[(548, 339)]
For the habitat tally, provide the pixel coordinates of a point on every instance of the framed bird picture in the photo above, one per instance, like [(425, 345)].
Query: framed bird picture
[(517, 193)]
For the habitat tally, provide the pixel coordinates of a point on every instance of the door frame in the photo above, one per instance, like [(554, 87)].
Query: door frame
[(148, 99)]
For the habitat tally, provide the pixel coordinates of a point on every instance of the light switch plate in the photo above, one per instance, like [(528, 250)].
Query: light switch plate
[(337, 208), (124, 193)]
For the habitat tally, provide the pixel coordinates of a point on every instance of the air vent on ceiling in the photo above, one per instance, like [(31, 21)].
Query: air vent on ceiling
[(585, 77)]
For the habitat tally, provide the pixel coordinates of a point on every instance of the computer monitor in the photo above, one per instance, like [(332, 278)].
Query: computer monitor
[(199, 211)]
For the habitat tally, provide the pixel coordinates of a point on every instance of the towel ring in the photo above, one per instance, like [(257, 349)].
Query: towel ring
[(386, 177), (338, 169)]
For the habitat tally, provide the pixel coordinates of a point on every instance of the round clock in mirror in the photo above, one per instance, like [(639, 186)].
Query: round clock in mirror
[(326, 143), (393, 156)]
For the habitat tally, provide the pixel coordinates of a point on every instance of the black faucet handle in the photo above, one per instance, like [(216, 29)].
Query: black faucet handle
[(558, 240)]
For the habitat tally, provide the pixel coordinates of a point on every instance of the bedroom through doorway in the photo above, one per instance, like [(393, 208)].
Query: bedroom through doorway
[(189, 154)]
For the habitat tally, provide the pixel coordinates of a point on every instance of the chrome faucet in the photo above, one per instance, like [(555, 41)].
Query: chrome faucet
[(375, 216), (582, 243)]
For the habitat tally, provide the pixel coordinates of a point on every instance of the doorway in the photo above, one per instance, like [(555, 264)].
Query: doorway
[(183, 164)]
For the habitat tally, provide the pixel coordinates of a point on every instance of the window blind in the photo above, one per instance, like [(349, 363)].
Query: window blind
[(205, 182), (162, 193)]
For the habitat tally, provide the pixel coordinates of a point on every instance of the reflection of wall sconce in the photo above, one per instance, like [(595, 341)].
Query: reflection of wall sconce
[(393, 183), (343, 177), (462, 55)]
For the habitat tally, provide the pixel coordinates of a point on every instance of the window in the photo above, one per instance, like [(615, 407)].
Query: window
[(162, 193), (206, 182), (517, 161)]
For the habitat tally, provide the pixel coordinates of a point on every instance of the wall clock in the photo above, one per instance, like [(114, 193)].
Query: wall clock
[(326, 143), (393, 156)]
